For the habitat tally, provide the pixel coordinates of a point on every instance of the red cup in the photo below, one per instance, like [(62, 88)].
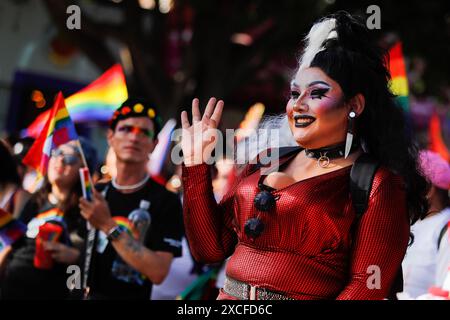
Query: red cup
[(50, 232)]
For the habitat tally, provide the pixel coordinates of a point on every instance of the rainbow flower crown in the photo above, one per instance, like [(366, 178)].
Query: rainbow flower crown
[(135, 109)]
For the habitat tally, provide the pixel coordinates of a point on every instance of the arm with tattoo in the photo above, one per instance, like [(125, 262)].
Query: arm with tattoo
[(153, 264)]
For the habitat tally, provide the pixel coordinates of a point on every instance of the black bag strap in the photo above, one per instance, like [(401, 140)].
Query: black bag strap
[(361, 179), (441, 234), (282, 151)]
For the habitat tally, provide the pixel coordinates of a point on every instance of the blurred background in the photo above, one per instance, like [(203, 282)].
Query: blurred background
[(173, 50)]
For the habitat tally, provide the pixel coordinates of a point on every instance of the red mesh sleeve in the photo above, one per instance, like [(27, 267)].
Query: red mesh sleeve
[(209, 226), (380, 241)]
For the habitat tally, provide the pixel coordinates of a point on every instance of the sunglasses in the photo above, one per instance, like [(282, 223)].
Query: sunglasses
[(136, 130), (68, 159)]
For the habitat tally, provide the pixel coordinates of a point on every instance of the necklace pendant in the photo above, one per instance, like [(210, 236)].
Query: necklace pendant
[(323, 161)]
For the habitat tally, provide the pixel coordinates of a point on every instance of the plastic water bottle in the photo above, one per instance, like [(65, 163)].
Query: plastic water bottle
[(140, 219)]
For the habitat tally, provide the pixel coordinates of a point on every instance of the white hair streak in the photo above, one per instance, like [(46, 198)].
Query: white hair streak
[(273, 132), (315, 39)]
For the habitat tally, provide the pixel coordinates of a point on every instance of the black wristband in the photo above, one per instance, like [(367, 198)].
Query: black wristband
[(115, 232)]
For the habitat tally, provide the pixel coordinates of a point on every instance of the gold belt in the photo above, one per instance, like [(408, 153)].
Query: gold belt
[(244, 291)]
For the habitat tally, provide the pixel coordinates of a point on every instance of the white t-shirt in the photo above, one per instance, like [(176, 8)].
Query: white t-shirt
[(420, 263), (443, 260)]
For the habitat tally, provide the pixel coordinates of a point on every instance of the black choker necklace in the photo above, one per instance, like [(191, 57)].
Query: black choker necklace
[(325, 154)]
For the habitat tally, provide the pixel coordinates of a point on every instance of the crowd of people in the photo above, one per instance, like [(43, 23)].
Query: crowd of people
[(350, 209)]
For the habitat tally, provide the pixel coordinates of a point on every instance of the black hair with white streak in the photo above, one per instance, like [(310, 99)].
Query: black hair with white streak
[(348, 56), (340, 45)]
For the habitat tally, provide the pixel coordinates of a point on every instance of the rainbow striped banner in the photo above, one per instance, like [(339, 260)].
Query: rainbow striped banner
[(10, 229), (399, 82), (53, 214), (124, 222), (96, 102), (50, 215), (59, 129)]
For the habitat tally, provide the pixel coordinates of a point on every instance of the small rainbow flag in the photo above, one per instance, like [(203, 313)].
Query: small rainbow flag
[(96, 102), (399, 82), (59, 129), (86, 184), (10, 229), (437, 143)]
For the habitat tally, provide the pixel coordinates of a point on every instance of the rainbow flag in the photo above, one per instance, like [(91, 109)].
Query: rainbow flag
[(59, 129), (436, 142), (96, 102), (10, 229), (399, 82), (86, 184)]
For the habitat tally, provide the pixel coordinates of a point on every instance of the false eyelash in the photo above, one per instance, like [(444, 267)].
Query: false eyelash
[(294, 95), (318, 93)]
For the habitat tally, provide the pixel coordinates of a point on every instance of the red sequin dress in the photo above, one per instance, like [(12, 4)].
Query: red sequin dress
[(306, 248)]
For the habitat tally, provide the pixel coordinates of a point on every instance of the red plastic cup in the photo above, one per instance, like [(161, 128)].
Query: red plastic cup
[(50, 232)]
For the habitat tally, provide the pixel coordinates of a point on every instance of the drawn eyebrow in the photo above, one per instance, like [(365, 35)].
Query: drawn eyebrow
[(318, 82), (295, 84)]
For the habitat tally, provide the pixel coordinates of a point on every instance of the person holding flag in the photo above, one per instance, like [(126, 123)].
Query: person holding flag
[(126, 261), (35, 267)]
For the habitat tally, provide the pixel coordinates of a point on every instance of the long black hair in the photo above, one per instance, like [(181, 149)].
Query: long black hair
[(68, 206), (359, 66)]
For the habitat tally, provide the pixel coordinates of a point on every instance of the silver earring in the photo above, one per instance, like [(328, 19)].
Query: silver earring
[(350, 132)]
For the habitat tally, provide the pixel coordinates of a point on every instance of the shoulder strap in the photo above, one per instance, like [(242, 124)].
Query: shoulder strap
[(361, 178), (442, 233), (282, 151)]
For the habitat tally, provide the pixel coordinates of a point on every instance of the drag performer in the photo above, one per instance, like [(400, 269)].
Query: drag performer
[(292, 232)]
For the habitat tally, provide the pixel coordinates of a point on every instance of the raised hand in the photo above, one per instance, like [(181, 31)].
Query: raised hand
[(62, 253), (199, 139)]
